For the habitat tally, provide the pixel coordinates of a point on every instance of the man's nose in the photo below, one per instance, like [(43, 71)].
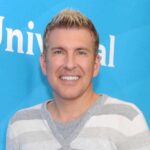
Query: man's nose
[(70, 62)]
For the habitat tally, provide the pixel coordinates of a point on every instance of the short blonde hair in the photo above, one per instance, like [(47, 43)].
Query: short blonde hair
[(69, 18)]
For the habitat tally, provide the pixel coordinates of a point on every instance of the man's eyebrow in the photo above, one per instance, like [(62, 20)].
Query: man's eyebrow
[(83, 48), (77, 49), (54, 48)]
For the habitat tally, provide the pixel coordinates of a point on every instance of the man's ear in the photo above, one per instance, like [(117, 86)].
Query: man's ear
[(43, 63), (96, 65)]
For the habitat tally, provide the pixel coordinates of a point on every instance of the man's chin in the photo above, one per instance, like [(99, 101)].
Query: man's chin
[(69, 96)]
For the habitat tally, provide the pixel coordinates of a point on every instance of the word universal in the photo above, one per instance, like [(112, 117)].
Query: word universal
[(22, 42)]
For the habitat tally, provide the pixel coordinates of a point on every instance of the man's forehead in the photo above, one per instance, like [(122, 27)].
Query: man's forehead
[(69, 30)]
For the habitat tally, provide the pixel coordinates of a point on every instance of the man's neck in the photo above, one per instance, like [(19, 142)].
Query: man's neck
[(68, 110)]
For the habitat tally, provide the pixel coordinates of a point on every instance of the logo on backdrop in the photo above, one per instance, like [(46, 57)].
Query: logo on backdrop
[(107, 56)]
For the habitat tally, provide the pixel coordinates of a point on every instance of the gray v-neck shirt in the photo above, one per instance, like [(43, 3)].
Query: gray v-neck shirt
[(109, 124)]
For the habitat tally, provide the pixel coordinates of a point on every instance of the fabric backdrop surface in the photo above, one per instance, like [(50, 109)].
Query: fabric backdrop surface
[(124, 28)]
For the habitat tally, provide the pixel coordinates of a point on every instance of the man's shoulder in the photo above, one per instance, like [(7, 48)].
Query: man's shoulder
[(27, 120), (118, 101), (121, 107), (120, 115), (28, 113)]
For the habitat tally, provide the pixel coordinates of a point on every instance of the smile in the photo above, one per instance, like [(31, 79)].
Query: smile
[(69, 78)]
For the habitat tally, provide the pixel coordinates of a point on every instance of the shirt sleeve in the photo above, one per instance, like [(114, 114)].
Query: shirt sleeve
[(138, 135), (11, 140)]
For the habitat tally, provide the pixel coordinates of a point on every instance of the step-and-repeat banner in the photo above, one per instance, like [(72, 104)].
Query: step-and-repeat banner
[(124, 28)]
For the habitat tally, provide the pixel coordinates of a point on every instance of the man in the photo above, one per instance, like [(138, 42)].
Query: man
[(77, 118)]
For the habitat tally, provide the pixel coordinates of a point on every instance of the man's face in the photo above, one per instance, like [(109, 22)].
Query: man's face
[(70, 62)]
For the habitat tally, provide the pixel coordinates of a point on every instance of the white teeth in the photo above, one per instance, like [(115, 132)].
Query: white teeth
[(69, 78)]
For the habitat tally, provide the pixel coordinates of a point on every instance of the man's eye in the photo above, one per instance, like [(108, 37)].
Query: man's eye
[(58, 52), (82, 52)]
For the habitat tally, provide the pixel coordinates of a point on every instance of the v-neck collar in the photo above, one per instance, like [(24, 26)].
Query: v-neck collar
[(83, 119)]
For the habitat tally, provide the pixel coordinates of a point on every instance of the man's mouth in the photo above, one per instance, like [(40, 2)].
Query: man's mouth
[(70, 78)]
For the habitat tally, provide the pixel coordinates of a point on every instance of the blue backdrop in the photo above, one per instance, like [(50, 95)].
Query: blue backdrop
[(124, 28)]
